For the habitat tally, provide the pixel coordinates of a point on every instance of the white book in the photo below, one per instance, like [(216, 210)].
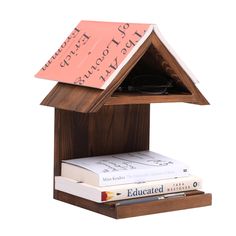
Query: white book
[(123, 168), (127, 191)]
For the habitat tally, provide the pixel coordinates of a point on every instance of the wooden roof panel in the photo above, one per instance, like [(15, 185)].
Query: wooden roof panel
[(70, 97)]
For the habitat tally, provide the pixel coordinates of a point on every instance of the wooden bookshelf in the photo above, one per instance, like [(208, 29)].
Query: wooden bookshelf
[(91, 122)]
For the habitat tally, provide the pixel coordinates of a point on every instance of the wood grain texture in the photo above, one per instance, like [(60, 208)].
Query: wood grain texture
[(123, 211), (124, 98), (172, 204), (72, 97)]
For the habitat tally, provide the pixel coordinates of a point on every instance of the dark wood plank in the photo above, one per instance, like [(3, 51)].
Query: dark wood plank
[(172, 204), (117, 211), (114, 129), (71, 136), (72, 97), (122, 98)]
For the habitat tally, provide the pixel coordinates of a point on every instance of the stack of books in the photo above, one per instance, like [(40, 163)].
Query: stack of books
[(125, 176)]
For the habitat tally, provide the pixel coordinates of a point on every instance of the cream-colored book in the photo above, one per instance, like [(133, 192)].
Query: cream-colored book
[(126, 191)]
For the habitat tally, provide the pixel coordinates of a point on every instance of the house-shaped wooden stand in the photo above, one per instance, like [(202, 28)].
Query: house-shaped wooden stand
[(91, 122)]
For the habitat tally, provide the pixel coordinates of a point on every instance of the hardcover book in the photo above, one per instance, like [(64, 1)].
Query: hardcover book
[(123, 168), (127, 191)]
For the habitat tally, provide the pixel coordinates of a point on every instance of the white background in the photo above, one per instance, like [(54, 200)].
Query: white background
[(202, 33)]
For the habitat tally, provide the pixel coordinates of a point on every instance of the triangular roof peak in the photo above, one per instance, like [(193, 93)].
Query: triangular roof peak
[(99, 59)]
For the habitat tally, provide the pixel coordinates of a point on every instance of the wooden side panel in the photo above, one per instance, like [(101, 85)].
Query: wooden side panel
[(71, 136)]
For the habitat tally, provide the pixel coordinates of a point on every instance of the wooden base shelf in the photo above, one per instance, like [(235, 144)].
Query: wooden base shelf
[(118, 210)]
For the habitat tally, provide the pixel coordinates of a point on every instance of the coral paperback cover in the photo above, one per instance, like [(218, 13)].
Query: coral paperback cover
[(94, 53)]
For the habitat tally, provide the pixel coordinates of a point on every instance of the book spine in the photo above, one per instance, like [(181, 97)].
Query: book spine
[(144, 190), (76, 188)]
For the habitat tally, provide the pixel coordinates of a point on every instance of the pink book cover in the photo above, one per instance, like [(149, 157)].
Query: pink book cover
[(94, 53)]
